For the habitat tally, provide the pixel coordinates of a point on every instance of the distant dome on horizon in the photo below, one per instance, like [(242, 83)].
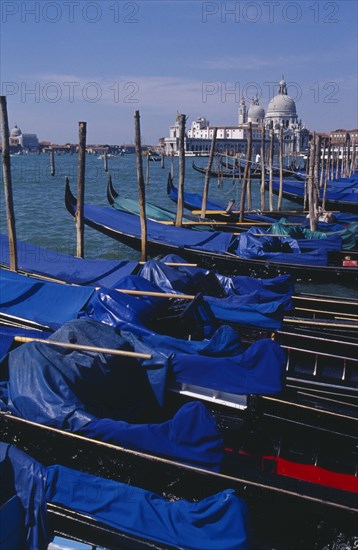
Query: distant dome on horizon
[(15, 132), (255, 110), (282, 103)]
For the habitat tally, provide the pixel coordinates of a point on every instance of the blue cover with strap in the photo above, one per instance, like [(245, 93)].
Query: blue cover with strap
[(42, 261), (218, 522)]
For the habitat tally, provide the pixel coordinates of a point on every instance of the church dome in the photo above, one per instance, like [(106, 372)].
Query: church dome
[(281, 104), (15, 132), (256, 112)]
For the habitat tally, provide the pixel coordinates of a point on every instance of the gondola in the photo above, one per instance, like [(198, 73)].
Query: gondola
[(160, 214), (270, 460), (343, 200), (235, 173), (275, 225), (226, 173), (154, 212), (216, 211), (256, 170), (275, 502), (120, 517), (193, 247), (320, 357)]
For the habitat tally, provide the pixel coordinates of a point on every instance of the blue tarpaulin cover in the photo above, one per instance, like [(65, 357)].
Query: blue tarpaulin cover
[(257, 370), (278, 249), (260, 308), (246, 245), (45, 303), (99, 394), (183, 278), (218, 522), (242, 284), (126, 223), (334, 193), (249, 310), (23, 478), (193, 201), (117, 308), (42, 261), (8, 333)]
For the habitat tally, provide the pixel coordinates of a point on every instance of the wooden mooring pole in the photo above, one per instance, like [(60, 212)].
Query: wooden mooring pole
[(52, 162), (82, 132), (141, 186), (326, 173), (263, 168), (105, 162), (172, 162), (280, 162), (310, 184), (271, 154), (147, 170), (181, 177), (246, 172), (6, 170), (316, 170), (207, 174)]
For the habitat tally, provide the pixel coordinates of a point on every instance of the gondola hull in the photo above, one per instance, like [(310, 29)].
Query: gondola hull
[(330, 204), (275, 502), (222, 262)]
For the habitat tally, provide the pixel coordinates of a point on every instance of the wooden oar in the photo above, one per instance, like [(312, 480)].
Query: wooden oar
[(326, 312), (80, 347), (325, 299), (154, 293), (224, 212), (300, 406), (317, 322), (318, 353), (213, 222), (316, 338), (175, 264)]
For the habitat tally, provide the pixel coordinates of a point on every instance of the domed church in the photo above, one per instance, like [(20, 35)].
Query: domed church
[(281, 112), (20, 141)]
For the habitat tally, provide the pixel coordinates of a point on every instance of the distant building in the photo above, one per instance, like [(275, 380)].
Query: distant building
[(24, 142), (339, 137), (281, 113)]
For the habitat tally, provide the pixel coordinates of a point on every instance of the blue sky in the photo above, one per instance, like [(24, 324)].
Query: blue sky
[(70, 60)]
